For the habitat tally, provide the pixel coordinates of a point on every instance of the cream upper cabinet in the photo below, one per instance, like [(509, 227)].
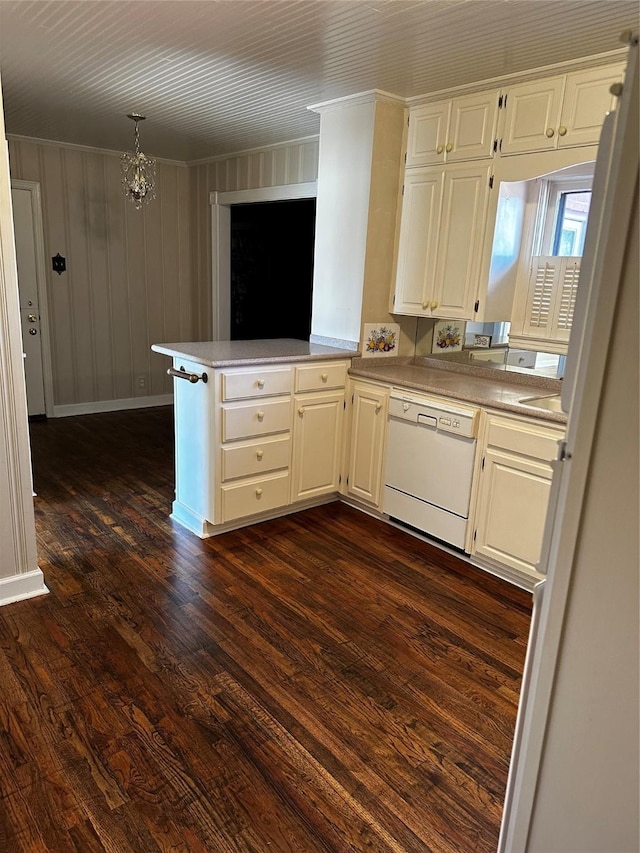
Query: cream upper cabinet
[(440, 245), (543, 311), (369, 404), (317, 429), (449, 131), (557, 112), (512, 490)]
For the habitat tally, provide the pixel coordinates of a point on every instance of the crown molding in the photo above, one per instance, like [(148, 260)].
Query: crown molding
[(370, 97)]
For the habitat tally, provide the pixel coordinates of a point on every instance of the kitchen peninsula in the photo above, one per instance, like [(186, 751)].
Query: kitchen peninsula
[(258, 429), (268, 427)]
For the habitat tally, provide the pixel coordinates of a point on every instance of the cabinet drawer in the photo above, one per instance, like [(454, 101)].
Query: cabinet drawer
[(257, 495), (538, 442), (252, 419), (265, 382), (316, 377), (259, 457)]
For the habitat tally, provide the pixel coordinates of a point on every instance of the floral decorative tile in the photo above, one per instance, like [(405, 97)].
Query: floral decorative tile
[(448, 336), (380, 339)]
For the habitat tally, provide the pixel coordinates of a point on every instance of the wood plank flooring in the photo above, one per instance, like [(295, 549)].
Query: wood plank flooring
[(322, 682)]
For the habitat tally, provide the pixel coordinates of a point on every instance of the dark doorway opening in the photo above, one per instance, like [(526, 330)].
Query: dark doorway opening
[(272, 269)]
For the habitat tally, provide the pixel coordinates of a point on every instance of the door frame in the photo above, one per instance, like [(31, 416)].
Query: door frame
[(221, 243), (33, 187)]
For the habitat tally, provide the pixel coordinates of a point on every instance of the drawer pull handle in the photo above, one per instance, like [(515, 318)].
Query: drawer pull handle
[(260, 383), (260, 416), (259, 454), (324, 377), (258, 492)]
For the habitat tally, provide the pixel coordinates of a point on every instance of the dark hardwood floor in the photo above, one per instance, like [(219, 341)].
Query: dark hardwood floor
[(322, 682)]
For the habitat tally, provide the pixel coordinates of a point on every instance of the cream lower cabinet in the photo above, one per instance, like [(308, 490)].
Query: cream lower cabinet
[(317, 429), (369, 406), (513, 482)]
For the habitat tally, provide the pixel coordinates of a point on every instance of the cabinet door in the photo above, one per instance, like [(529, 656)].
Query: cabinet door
[(472, 127), (512, 508), (419, 226), (462, 224), (368, 425), (317, 442), (587, 100), (427, 135), (532, 116)]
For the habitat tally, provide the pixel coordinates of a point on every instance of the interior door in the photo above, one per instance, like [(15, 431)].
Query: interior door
[(29, 305)]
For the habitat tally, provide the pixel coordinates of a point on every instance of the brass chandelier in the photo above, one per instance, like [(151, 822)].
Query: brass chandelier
[(138, 170)]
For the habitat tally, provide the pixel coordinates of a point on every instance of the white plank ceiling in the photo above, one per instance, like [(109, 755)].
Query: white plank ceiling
[(221, 76)]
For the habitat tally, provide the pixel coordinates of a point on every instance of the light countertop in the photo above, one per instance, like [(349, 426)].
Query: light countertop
[(239, 353), (484, 386)]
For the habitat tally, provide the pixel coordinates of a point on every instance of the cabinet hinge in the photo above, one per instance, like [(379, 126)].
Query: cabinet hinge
[(482, 467), (500, 102), (495, 145), (408, 120), (491, 182), (505, 102), (403, 189), (562, 451), (476, 306), (500, 146), (405, 158), (475, 533), (339, 479), (353, 397), (344, 403)]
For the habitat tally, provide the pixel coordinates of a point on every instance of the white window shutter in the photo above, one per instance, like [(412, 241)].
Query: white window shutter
[(568, 290), (553, 284)]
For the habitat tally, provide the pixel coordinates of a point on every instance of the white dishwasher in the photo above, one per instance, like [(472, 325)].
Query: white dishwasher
[(431, 447)]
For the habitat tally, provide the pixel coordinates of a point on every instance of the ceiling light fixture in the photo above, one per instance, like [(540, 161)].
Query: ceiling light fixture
[(138, 170)]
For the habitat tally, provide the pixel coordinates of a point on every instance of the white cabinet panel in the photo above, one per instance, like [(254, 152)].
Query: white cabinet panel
[(420, 221), (587, 99), (514, 481), (532, 116), (462, 223), (317, 442), (368, 428), (449, 131)]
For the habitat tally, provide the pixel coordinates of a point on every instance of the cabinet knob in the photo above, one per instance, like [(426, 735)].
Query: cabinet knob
[(448, 147), (260, 416), (378, 407), (260, 383), (324, 377), (549, 132), (301, 411), (616, 89), (425, 305), (259, 454), (258, 492), (439, 149), (434, 305), (562, 130)]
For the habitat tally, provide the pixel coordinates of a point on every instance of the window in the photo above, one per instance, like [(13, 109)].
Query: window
[(563, 212)]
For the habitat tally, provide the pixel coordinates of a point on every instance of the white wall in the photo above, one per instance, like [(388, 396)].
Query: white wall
[(128, 282), (588, 788), (342, 207), (20, 576)]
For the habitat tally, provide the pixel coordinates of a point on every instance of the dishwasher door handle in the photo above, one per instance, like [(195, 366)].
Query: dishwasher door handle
[(427, 420)]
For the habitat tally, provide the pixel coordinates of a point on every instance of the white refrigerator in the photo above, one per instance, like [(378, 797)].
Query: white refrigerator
[(573, 778)]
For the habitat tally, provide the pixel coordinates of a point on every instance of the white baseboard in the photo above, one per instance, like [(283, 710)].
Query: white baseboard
[(112, 405), (20, 587)]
